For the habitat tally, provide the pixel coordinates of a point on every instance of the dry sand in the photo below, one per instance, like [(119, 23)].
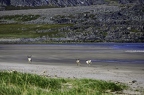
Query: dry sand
[(59, 61)]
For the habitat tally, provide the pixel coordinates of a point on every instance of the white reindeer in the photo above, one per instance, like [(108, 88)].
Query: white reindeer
[(78, 62), (89, 62), (29, 58)]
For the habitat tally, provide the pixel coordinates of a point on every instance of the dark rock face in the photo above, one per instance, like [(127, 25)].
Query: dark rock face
[(5, 2), (62, 2), (131, 1), (125, 25), (50, 2)]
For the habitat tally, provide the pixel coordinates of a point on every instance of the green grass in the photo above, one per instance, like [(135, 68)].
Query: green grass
[(15, 83), (20, 17), (134, 30), (29, 30)]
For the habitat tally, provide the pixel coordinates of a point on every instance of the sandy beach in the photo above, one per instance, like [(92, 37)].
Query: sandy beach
[(59, 61)]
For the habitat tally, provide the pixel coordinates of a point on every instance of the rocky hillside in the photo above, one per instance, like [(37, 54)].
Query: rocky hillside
[(125, 25), (61, 3), (96, 23)]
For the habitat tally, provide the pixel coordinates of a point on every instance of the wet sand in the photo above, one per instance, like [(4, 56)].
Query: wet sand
[(59, 61)]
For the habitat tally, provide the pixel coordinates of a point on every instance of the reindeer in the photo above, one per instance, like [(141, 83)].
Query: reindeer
[(78, 62), (29, 58), (89, 62)]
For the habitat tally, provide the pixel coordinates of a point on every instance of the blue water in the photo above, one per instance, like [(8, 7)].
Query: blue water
[(127, 46), (115, 46)]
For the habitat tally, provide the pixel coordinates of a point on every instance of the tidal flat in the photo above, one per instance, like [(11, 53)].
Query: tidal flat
[(109, 62)]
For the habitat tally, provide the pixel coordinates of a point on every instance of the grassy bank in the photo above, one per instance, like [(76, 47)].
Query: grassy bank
[(15, 83), (20, 18), (29, 30)]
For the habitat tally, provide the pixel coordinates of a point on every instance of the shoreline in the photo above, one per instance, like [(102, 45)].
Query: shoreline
[(119, 74), (59, 61)]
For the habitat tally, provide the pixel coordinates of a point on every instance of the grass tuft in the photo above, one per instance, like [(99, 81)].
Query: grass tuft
[(15, 83)]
